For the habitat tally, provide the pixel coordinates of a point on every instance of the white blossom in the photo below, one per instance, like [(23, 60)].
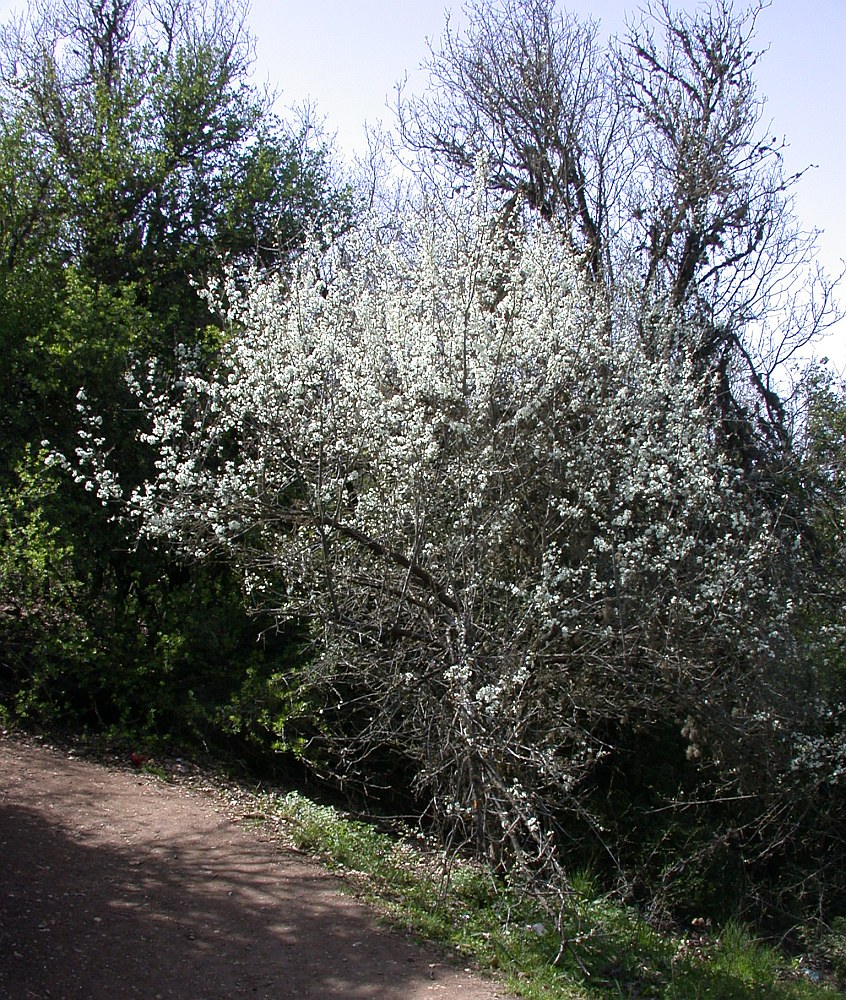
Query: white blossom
[(508, 516)]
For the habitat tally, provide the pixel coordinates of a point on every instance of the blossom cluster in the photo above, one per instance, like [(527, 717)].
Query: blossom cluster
[(508, 509)]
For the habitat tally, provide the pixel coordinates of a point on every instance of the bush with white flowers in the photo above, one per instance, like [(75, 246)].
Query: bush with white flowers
[(512, 525)]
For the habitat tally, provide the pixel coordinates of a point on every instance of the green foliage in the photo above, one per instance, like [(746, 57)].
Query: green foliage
[(201, 673), (600, 949), (136, 157), (42, 632), (831, 947), (267, 711), (164, 156), (138, 648)]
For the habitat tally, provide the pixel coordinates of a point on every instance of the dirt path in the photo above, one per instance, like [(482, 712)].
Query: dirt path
[(116, 885)]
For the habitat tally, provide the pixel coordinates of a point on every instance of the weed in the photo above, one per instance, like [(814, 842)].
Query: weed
[(601, 951)]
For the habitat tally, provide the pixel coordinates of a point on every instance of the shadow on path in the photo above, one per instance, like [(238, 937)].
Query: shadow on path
[(113, 886)]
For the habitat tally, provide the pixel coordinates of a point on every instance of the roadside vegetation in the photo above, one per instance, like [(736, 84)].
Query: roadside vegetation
[(601, 950)]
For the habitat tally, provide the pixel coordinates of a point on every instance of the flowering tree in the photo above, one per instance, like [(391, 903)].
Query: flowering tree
[(656, 158), (520, 544)]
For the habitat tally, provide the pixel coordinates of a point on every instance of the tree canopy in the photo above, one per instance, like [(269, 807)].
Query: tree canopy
[(654, 156), (137, 161)]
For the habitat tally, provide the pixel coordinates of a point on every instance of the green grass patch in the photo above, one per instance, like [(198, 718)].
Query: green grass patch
[(602, 950)]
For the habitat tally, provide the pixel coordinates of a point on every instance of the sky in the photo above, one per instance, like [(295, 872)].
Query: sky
[(346, 57)]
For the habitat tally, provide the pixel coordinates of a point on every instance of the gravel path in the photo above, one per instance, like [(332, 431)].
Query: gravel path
[(115, 885)]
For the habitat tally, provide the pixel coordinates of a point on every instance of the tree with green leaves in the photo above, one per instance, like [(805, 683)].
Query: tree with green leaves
[(157, 156), (137, 160)]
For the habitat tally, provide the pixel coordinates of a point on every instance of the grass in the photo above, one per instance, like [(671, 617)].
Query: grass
[(608, 950)]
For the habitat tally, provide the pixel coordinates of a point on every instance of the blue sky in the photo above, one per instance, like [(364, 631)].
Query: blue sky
[(347, 55)]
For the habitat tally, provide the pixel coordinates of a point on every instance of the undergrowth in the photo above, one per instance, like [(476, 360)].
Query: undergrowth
[(604, 950)]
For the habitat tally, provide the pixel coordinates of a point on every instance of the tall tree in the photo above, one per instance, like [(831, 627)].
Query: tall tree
[(653, 156), (540, 585), (137, 161), (166, 157), (136, 157), (505, 455)]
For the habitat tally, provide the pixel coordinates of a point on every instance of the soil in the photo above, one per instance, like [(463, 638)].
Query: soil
[(115, 884)]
